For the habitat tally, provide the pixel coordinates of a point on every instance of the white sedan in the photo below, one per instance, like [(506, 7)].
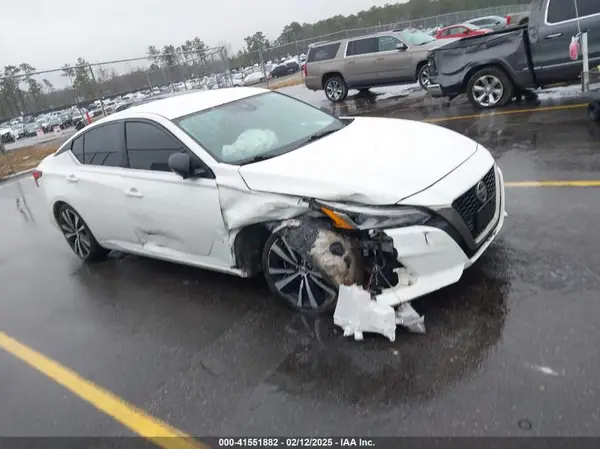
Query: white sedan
[(254, 78), (246, 180)]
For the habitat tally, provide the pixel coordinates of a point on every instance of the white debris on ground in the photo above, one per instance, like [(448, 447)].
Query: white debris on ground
[(356, 312)]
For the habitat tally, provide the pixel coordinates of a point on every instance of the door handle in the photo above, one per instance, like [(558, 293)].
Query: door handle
[(72, 178), (553, 36), (134, 193), (380, 59), (351, 62)]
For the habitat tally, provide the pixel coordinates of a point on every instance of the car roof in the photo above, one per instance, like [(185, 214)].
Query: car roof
[(188, 103), (457, 25), (366, 36), (486, 17)]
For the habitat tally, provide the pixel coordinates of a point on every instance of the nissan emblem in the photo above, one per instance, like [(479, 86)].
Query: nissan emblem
[(481, 192)]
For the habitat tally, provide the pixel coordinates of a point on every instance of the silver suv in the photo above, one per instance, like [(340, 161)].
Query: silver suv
[(381, 59)]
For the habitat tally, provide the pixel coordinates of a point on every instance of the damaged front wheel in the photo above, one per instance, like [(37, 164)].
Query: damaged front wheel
[(293, 278)]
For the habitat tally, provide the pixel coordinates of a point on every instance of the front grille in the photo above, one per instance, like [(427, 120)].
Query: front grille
[(475, 213)]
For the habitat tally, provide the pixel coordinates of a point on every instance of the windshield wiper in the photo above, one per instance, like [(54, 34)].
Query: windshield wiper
[(259, 158), (321, 134)]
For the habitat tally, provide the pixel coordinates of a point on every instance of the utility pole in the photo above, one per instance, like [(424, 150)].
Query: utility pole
[(94, 81), (262, 63)]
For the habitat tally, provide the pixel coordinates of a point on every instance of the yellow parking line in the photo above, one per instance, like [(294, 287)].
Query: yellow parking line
[(553, 184), (509, 112), (135, 419)]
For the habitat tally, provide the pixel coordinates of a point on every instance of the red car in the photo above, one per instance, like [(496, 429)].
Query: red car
[(460, 30)]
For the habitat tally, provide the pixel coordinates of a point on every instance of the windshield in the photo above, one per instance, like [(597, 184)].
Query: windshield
[(416, 37), (257, 127)]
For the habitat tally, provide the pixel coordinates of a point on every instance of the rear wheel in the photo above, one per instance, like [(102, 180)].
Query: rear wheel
[(336, 89), (489, 88), (294, 279), (78, 235)]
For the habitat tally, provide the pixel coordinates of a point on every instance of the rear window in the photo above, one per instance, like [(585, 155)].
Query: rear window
[(362, 46), (561, 10), (588, 7), (323, 53)]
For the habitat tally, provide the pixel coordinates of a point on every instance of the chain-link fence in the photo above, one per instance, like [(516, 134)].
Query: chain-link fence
[(104, 85), (425, 23)]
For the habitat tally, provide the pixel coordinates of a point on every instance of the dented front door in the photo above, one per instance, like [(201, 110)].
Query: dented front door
[(175, 217)]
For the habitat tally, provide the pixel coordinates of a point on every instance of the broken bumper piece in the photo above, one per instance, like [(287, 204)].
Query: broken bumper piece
[(357, 313)]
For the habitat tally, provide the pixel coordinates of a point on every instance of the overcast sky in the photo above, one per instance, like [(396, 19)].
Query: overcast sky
[(47, 35)]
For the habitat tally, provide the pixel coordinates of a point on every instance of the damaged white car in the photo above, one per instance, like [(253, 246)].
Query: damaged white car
[(368, 213)]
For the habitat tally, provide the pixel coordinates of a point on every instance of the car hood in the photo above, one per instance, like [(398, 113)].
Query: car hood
[(374, 161)]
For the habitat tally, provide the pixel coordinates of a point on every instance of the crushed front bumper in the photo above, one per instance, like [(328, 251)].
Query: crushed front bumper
[(432, 258)]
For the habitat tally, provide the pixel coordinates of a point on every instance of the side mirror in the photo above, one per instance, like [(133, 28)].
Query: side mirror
[(181, 163), (401, 46)]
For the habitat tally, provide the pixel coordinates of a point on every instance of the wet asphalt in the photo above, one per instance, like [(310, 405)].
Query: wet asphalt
[(511, 350)]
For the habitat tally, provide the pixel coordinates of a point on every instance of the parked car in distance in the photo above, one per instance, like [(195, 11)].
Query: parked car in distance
[(381, 59), (254, 78), (517, 19), (7, 134), (489, 22), (30, 130), (494, 68), (212, 178), (285, 69), (238, 80), (460, 31)]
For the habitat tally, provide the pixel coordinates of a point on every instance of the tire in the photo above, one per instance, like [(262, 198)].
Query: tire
[(336, 89), (78, 235), (293, 279), (593, 111), (423, 76), (489, 88)]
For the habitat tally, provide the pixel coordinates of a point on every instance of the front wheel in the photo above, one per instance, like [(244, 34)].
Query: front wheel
[(593, 111), (423, 76), (78, 235), (336, 89), (293, 278), (489, 88)]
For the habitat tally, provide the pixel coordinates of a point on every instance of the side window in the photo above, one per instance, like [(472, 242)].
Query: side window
[(588, 7), (149, 147), (446, 32), (388, 43), (560, 10), (362, 46), (77, 148), (323, 53), (101, 146)]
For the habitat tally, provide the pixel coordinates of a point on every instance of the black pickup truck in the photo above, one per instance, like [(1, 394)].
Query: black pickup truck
[(494, 68)]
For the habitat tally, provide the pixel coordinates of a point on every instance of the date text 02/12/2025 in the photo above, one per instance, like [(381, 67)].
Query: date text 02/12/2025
[(295, 442)]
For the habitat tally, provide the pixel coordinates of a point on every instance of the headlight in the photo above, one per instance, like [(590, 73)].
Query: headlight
[(347, 216)]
